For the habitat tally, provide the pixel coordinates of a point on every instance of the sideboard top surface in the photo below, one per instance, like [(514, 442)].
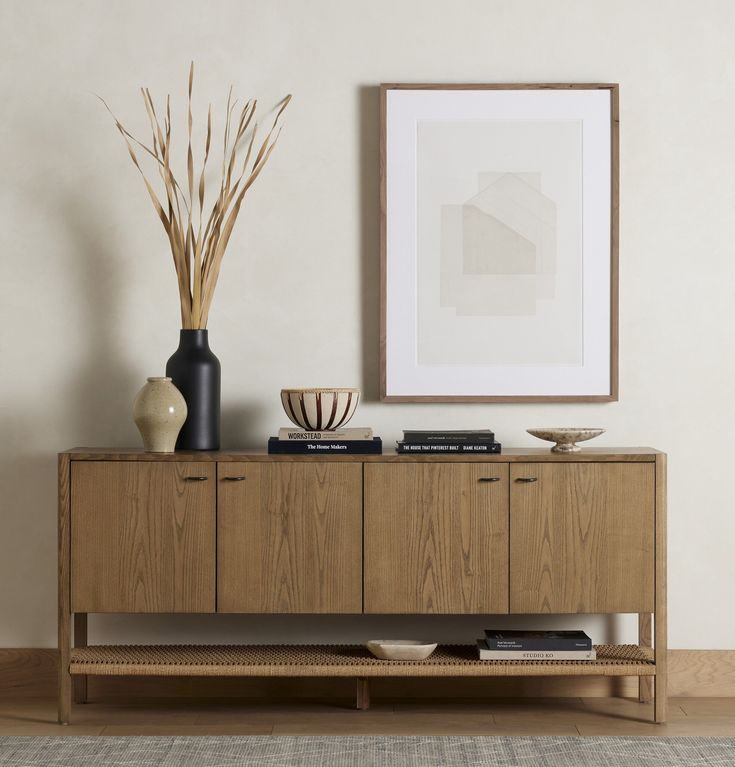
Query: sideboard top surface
[(509, 455)]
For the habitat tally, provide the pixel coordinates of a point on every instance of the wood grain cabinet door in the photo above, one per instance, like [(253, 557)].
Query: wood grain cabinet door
[(436, 538), (581, 537), (289, 537), (142, 536)]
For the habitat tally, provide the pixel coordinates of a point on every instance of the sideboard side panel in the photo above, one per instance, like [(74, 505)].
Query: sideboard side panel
[(64, 603), (660, 624)]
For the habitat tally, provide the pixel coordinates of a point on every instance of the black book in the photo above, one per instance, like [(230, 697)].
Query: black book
[(334, 447), (448, 447), (485, 653), (450, 436), (537, 640)]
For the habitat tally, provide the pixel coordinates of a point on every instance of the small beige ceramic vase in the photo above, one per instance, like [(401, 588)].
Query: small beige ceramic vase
[(159, 412)]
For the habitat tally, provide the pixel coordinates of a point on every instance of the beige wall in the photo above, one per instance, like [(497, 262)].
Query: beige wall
[(88, 298)]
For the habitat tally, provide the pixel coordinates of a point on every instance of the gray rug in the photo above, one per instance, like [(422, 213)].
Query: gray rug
[(375, 751)]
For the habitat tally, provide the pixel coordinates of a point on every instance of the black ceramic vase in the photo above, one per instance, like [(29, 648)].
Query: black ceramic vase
[(195, 372)]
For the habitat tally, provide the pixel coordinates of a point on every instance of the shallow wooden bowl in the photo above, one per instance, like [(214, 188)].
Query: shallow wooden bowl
[(566, 437), (401, 649)]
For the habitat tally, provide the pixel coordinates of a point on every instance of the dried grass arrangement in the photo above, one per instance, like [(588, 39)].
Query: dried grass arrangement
[(198, 241)]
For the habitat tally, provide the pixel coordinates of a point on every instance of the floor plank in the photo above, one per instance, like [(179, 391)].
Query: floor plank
[(51, 728), (710, 727), (707, 706), (491, 705), (243, 728), (492, 716)]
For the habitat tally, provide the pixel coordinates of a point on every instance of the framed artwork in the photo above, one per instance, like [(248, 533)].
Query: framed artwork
[(499, 243)]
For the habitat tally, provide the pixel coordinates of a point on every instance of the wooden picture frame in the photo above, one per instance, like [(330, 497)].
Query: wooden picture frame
[(505, 291)]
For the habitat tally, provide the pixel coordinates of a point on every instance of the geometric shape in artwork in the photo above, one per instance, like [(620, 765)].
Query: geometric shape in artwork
[(491, 247), (516, 200), (498, 249), (478, 294)]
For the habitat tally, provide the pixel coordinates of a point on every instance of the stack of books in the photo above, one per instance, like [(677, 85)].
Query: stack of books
[(535, 645), (453, 441), (353, 441)]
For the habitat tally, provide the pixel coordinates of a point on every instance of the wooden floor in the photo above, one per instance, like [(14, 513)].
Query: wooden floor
[(555, 716)]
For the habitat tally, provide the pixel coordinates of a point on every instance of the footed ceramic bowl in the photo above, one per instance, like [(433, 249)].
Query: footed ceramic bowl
[(566, 438), (320, 409), (401, 649)]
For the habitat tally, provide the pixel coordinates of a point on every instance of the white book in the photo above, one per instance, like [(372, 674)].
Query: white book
[(486, 654), (338, 435)]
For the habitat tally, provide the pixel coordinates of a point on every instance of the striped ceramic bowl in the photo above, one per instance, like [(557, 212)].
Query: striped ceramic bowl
[(320, 409)]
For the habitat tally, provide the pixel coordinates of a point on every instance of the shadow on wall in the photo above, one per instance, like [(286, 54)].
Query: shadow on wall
[(87, 388), (351, 629), (27, 532), (98, 400), (241, 427), (369, 133)]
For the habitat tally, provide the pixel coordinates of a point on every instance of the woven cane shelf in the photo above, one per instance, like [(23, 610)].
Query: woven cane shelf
[(338, 661)]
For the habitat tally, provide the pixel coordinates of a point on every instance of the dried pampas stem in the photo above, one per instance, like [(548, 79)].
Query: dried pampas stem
[(197, 247)]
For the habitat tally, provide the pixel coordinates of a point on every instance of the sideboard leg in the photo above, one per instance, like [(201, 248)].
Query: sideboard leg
[(645, 683), (363, 693), (660, 699), (80, 640), (660, 655), (64, 612), (64, 675), (660, 644)]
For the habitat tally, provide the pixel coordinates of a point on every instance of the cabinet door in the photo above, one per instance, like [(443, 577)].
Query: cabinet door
[(436, 538), (289, 538), (581, 538), (142, 536)]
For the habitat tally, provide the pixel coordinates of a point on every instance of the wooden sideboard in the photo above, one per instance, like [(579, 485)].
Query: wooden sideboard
[(524, 532)]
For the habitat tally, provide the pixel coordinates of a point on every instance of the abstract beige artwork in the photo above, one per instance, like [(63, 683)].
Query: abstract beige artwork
[(497, 242), (507, 228)]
